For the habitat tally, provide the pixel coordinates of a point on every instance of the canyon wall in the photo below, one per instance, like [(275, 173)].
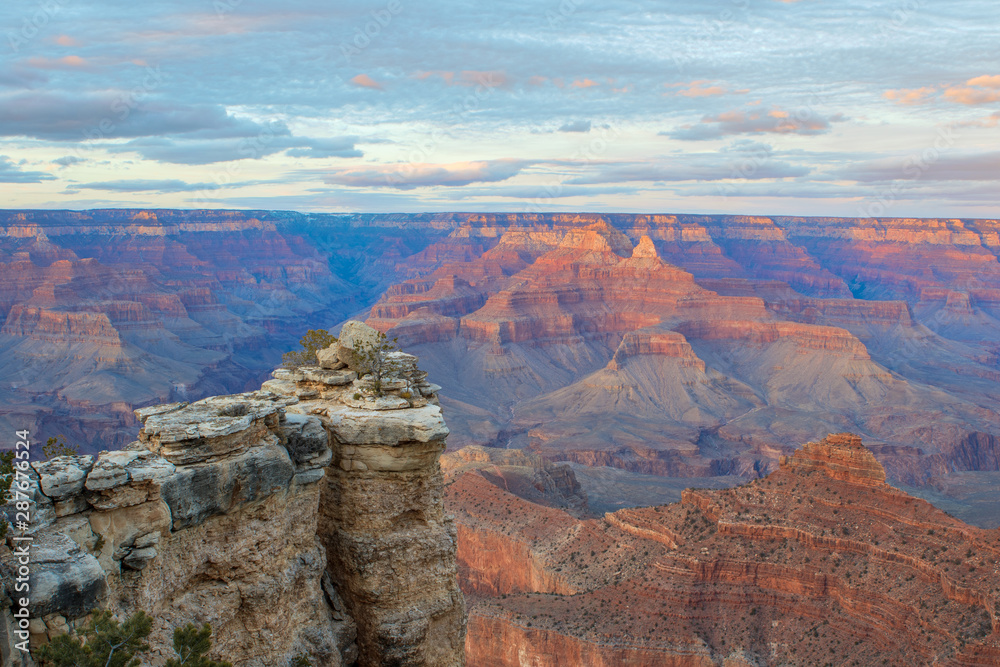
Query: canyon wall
[(820, 561), (303, 519), (718, 343)]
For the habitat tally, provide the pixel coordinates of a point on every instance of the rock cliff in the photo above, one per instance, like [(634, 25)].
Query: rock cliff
[(305, 518), (821, 562)]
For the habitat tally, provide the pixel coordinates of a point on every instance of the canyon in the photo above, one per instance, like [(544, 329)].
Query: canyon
[(819, 563), (718, 343)]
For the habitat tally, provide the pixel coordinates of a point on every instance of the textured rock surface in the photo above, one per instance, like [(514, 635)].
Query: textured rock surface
[(390, 547), (292, 526), (537, 325), (819, 561), (718, 342)]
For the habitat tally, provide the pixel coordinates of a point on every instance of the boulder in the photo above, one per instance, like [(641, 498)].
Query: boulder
[(328, 358), (389, 427), (354, 333), (195, 493), (125, 478), (63, 476), (64, 579)]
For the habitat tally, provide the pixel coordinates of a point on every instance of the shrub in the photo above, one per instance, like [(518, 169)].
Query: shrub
[(191, 644), (57, 446), (102, 643), (314, 341), (375, 359)]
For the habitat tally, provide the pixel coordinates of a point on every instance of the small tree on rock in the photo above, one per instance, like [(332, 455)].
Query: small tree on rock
[(314, 341), (57, 446), (104, 642), (191, 643), (375, 358)]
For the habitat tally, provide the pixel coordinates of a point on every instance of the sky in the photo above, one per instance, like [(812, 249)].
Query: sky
[(781, 107)]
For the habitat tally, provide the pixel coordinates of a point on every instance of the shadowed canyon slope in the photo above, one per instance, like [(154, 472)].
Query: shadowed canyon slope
[(104, 311), (821, 562), (695, 346), (702, 346)]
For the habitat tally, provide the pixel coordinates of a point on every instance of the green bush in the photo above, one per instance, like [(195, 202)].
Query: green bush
[(314, 341), (103, 642)]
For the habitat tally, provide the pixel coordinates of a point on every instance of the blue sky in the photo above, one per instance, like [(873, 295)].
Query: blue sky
[(811, 107)]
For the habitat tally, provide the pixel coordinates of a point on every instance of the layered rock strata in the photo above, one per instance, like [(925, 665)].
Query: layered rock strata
[(302, 519), (821, 562)]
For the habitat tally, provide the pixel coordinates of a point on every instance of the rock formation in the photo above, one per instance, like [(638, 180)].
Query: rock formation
[(305, 518), (760, 332), (821, 562)]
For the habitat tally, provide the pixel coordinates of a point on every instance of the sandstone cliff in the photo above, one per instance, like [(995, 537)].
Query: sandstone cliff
[(820, 562), (302, 519)]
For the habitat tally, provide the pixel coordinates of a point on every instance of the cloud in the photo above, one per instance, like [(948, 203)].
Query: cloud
[(413, 175), (485, 78), (775, 121), (265, 143), (158, 185), (11, 173), (68, 160), (70, 63), (967, 167), (114, 115), (909, 96), (65, 40), (326, 148), (703, 89), (702, 167), (584, 83), (989, 121), (971, 96), (576, 126), (365, 81)]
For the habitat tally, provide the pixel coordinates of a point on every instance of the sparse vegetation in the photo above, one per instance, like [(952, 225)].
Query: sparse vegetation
[(106, 642), (103, 642), (375, 358), (191, 643), (314, 341), (57, 446)]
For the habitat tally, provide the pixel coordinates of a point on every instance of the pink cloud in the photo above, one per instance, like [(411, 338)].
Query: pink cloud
[(365, 81), (65, 40), (485, 78), (703, 88), (971, 96), (585, 83), (909, 95), (66, 62), (985, 81)]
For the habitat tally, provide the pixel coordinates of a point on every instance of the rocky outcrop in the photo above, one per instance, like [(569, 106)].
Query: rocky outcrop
[(302, 519), (820, 560)]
